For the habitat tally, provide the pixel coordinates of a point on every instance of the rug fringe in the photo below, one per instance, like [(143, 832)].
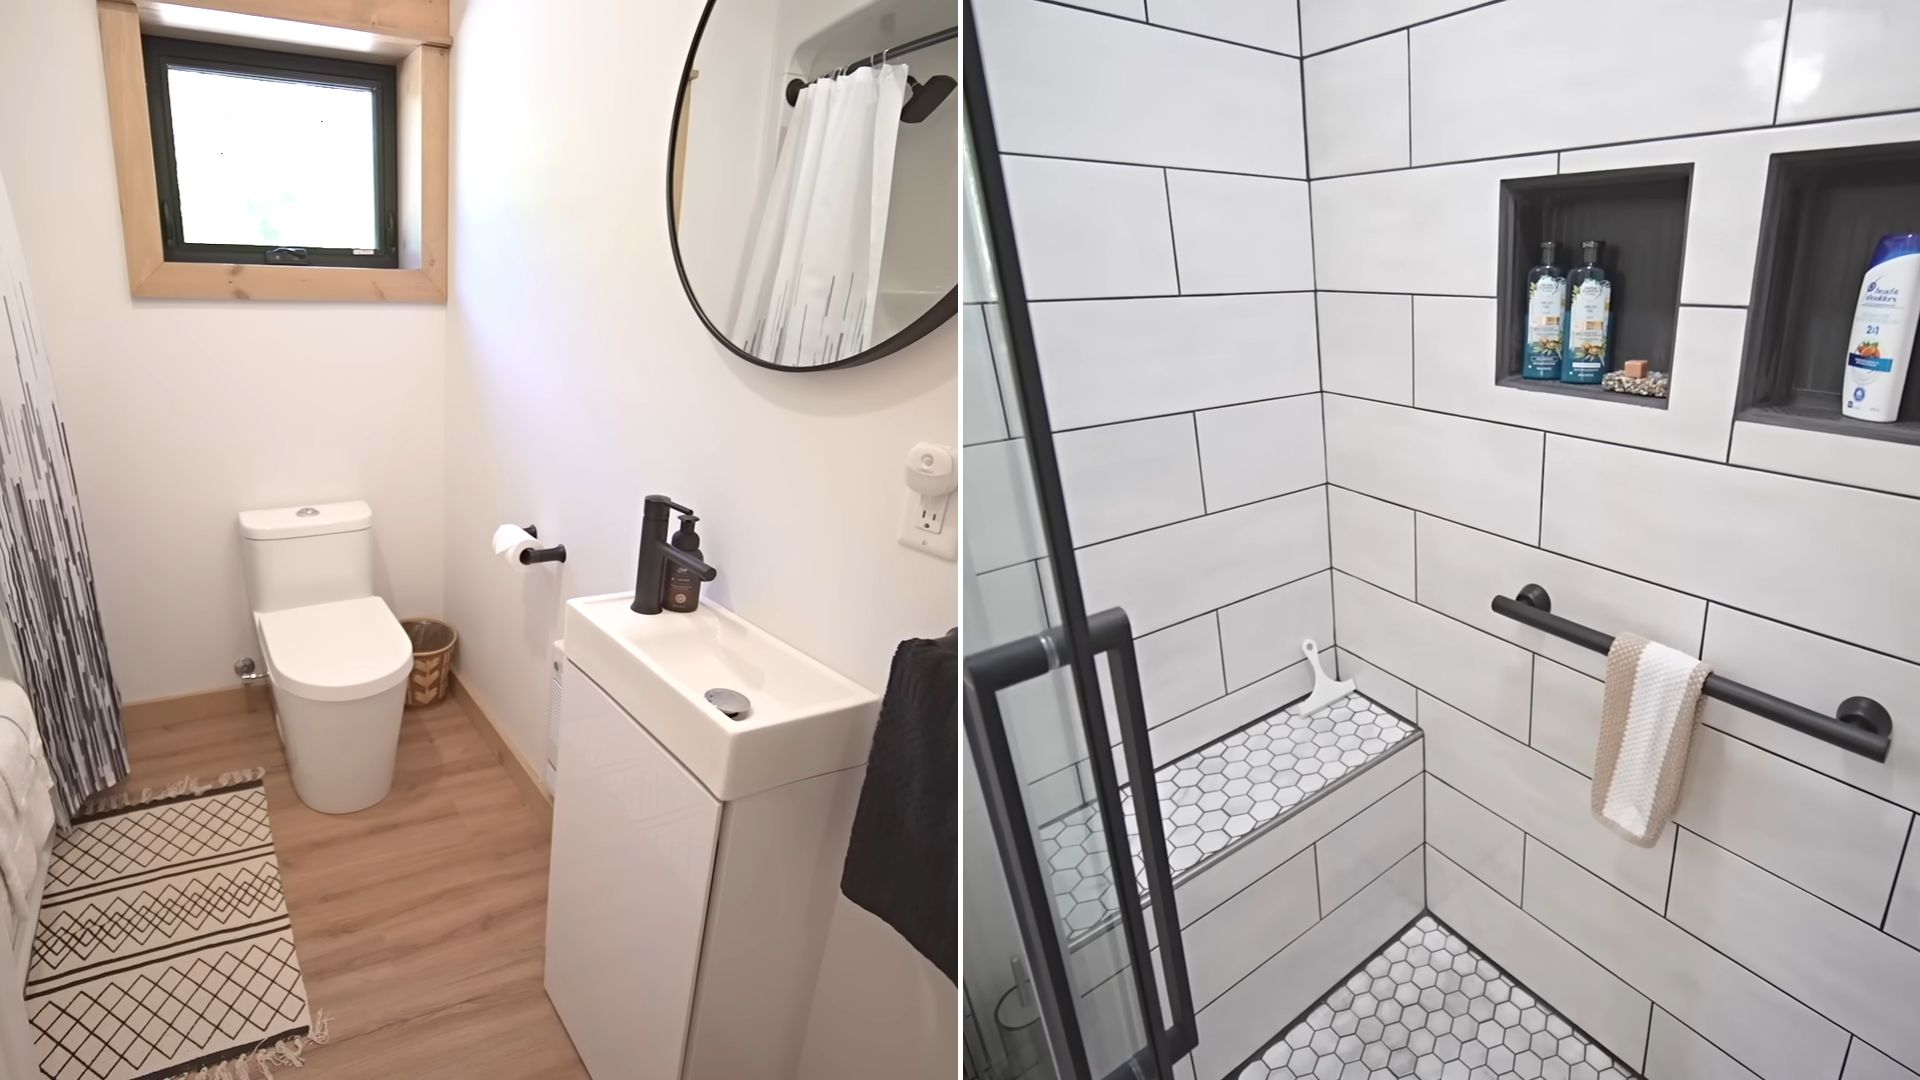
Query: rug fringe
[(100, 804), (258, 1063)]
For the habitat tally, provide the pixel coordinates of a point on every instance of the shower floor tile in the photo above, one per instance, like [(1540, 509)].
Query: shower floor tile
[(1431, 1007), (1218, 797)]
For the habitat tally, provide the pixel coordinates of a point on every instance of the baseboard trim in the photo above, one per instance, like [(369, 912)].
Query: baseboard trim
[(185, 708), (532, 783)]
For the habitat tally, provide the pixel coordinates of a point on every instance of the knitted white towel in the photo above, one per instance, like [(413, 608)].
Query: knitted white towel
[(1646, 726)]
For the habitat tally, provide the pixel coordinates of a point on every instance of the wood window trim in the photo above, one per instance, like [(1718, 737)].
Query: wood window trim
[(424, 180)]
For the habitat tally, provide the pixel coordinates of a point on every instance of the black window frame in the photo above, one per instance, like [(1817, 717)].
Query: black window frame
[(163, 53)]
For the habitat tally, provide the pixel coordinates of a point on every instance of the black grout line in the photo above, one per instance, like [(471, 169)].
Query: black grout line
[(1103, 299), (1406, 27), (1780, 80), (1173, 234), (993, 369), (1200, 464), (1319, 889), (1178, 412), (1163, 27), (1673, 863), (1149, 165), (1898, 864), (1220, 644)]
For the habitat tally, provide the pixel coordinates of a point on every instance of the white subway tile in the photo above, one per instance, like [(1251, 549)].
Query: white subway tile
[(1188, 732), (1088, 88), (1701, 66), (1254, 924), (1478, 839), (1380, 686), (1845, 968), (1697, 524), (1819, 673), (1740, 1012), (1122, 478), (1816, 832), (1476, 473), (1262, 634), (1676, 1052), (1866, 1063), (1179, 571), (1453, 342), (1003, 516), (1357, 108), (1107, 360), (1477, 671), (1544, 798), (1089, 229), (1835, 54), (1222, 878), (1566, 715), (1416, 230), (1259, 23), (982, 415), (1372, 540), (1825, 455), (1327, 23), (1241, 233), (1261, 449), (1729, 186), (1179, 669), (1462, 570), (1243, 1019), (1903, 913), (1366, 346), (1584, 992), (1365, 847)]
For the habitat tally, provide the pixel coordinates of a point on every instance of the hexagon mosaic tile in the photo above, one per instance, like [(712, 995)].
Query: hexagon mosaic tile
[(1218, 796), (1428, 1006)]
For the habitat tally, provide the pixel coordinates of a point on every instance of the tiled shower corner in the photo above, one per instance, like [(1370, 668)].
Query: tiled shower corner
[(1430, 1006), (1218, 797)]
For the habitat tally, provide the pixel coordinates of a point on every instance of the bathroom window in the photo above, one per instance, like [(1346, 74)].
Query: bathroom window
[(273, 157)]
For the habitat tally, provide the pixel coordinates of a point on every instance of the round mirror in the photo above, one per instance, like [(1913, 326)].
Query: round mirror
[(811, 187)]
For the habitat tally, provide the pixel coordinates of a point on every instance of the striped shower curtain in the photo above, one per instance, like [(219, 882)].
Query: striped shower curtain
[(51, 621)]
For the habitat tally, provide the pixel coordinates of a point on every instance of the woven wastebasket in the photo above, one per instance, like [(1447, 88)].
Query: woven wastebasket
[(433, 643)]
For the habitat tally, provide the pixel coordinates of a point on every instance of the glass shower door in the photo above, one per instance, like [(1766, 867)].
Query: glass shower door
[(1074, 965)]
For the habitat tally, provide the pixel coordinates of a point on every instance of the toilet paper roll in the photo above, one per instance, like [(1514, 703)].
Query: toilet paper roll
[(510, 540)]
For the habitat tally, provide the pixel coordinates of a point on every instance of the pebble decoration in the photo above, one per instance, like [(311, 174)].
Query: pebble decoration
[(1653, 385)]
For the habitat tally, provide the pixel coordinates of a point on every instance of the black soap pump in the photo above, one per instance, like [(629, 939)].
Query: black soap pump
[(681, 590)]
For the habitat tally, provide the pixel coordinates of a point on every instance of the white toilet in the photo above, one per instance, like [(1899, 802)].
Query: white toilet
[(338, 658)]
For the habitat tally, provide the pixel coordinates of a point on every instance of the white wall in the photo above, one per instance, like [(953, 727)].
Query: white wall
[(579, 380), (1774, 930), (181, 414)]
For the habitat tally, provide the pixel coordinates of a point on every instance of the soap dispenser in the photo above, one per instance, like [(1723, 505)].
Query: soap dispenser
[(681, 591)]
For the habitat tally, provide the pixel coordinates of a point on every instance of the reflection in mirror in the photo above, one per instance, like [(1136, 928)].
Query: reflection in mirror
[(814, 176)]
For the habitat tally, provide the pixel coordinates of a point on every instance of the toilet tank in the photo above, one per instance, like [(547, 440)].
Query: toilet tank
[(301, 555)]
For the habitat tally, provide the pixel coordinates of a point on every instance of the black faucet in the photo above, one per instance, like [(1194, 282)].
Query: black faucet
[(656, 553)]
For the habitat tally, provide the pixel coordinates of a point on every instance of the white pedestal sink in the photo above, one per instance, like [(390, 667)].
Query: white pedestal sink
[(696, 858)]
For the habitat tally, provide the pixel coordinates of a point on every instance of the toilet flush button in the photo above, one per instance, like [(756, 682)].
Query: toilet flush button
[(307, 511)]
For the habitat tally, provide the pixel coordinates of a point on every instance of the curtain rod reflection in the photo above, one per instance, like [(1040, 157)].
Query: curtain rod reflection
[(922, 98)]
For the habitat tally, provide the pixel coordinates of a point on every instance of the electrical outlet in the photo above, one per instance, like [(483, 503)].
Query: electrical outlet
[(926, 525)]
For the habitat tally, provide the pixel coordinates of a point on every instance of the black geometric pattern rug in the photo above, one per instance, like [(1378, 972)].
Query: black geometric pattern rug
[(164, 948)]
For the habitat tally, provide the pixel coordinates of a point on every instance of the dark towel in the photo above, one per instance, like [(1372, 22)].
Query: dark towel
[(901, 862)]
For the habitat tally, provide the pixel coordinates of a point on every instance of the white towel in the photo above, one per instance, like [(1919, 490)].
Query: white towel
[(1646, 727), (26, 796)]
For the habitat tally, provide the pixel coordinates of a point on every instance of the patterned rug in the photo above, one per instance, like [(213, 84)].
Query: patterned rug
[(164, 947)]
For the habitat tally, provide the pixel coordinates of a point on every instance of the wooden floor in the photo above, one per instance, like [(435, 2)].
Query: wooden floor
[(421, 922)]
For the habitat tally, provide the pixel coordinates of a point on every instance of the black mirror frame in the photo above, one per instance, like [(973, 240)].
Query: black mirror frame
[(943, 309)]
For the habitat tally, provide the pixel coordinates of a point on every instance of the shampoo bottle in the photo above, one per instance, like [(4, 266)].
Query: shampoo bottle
[(1881, 349), (1546, 317), (681, 592), (1589, 318)]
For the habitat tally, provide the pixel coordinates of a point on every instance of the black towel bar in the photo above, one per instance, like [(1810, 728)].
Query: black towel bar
[(1861, 724)]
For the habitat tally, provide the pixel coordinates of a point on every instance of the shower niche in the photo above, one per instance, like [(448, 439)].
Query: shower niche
[(1825, 211), (1640, 215)]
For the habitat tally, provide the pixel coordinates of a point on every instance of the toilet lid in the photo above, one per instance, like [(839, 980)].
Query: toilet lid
[(336, 652)]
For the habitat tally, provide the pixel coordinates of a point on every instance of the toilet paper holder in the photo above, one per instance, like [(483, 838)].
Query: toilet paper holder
[(556, 553)]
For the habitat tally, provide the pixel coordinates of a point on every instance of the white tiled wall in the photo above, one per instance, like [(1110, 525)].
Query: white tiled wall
[(1775, 929)]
